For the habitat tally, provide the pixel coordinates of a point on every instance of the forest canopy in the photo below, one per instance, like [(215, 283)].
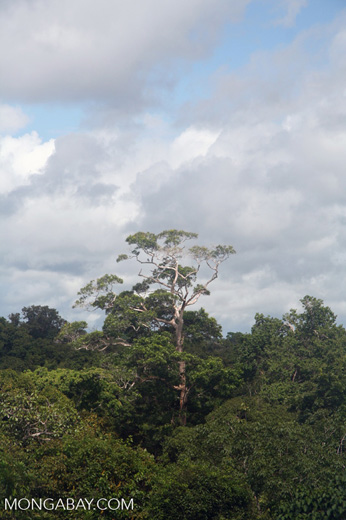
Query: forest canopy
[(160, 408)]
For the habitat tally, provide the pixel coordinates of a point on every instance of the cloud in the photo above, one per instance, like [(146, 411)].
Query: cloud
[(112, 50), (20, 158), (272, 183), (61, 216), (12, 119), (259, 165)]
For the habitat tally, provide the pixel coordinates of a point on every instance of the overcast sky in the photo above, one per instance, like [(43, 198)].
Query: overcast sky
[(222, 117)]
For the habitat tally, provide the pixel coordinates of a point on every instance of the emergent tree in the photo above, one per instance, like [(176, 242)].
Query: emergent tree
[(167, 288)]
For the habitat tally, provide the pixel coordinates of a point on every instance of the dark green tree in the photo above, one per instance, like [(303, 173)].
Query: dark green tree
[(39, 320)]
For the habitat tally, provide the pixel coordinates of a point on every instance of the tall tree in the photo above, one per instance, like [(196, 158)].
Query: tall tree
[(168, 287)]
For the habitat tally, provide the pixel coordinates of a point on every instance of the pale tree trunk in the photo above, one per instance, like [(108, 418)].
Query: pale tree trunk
[(183, 393), (179, 345)]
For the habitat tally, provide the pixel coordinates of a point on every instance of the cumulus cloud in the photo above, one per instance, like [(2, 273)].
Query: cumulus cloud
[(20, 158), (272, 184), (114, 50), (259, 164), (61, 216)]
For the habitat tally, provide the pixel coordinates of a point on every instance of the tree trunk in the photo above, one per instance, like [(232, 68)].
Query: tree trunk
[(183, 393), (179, 345)]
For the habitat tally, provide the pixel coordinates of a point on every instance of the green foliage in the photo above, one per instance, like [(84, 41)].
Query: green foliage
[(172, 237), (15, 473), (98, 293), (72, 332), (194, 491), (86, 463), (303, 365), (154, 395), (40, 321), (129, 317), (315, 318), (219, 254), (93, 389), (275, 454), (132, 315), (150, 400), (202, 333), (94, 466), (29, 415), (21, 351), (321, 503), (150, 243), (266, 411), (162, 252), (146, 241)]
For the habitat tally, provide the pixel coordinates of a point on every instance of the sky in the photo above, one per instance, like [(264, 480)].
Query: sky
[(224, 118)]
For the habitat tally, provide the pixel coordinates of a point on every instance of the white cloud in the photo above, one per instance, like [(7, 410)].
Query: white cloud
[(273, 185), (259, 165), (12, 119), (20, 158), (190, 144)]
